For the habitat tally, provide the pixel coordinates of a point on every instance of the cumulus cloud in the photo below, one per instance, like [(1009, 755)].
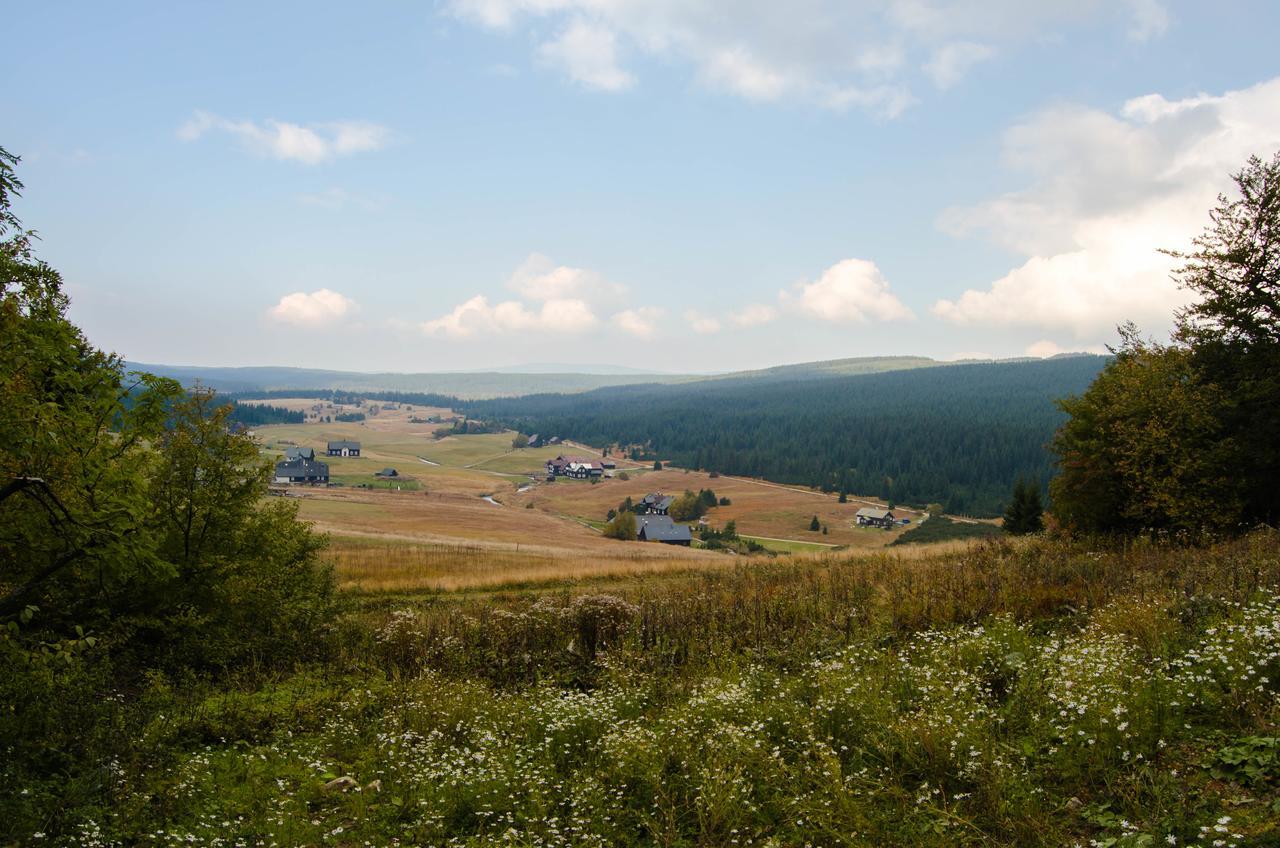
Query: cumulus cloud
[(702, 324), (641, 323), (477, 317), (539, 278), (314, 309), (1107, 191), (311, 144), (753, 315), (851, 291), (952, 62), (588, 53), (834, 54)]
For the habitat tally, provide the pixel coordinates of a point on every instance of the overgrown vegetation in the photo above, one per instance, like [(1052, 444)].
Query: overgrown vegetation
[(939, 528)]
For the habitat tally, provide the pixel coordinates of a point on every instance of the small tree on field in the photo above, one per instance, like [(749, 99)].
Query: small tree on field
[(815, 524), (520, 441), (657, 465), (1025, 513), (623, 527), (844, 496)]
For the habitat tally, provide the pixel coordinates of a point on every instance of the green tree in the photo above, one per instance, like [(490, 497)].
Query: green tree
[(1025, 513), (815, 524), (687, 507), (657, 465), (844, 496), (520, 441), (623, 527)]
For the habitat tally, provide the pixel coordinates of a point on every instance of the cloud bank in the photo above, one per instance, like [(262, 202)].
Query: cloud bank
[(314, 309), (1106, 192), (311, 144)]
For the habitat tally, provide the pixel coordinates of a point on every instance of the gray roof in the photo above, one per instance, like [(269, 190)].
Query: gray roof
[(344, 445), (660, 528), (299, 453), (301, 468), (872, 512), (657, 500), (388, 472)]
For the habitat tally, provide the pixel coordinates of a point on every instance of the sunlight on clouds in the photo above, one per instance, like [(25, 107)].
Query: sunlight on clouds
[(641, 323), (538, 278), (312, 310), (477, 317), (1108, 191), (310, 145), (588, 54), (852, 290)]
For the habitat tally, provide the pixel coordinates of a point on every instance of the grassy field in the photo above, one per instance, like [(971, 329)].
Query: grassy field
[(1038, 693), (440, 532)]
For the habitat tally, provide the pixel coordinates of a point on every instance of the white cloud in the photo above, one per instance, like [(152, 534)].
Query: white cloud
[(641, 323), (477, 317), (753, 315), (702, 324), (952, 62), (315, 309), (1106, 192), (852, 290), (538, 278), (836, 54), (588, 53), (310, 145)]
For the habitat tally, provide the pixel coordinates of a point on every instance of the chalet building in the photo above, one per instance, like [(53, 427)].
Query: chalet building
[(303, 472), (344, 448), (308, 454), (535, 441), (871, 517), (578, 467), (654, 503), (608, 464), (660, 528)]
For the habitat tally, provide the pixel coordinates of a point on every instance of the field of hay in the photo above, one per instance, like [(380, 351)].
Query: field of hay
[(471, 512)]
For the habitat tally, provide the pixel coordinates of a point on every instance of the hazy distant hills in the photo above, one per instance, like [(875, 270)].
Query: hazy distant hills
[(504, 382)]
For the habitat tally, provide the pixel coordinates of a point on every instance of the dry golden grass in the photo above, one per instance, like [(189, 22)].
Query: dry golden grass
[(760, 508)]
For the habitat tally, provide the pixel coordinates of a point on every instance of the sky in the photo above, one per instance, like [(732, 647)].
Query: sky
[(675, 185)]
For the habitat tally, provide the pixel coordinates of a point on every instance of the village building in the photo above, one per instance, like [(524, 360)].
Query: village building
[(302, 472), (578, 467), (872, 517), (654, 503), (660, 528), (387, 472), (344, 448), (299, 453)]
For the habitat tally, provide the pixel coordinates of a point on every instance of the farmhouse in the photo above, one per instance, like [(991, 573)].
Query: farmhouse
[(660, 528), (578, 467), (654, 503), (299, 453), (872, 517), (302, 471), (344, 448), (387, 472)]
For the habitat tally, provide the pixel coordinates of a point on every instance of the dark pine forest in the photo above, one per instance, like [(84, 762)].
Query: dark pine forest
[(959, 435)]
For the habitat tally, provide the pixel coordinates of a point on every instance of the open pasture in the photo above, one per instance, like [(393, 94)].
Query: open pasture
[(759, 508)]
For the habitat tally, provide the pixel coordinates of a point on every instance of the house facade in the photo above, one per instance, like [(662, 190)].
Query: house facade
[(303, 472), (654, 503), (872, 517), (344, 448), (577, 467)]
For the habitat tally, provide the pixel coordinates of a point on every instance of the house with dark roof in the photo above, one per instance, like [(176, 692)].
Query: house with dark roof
[(344, 448), (579, 467), (870, 516), (660, 528), (299, 453), (387, 472), (654, 503), (301, 471)]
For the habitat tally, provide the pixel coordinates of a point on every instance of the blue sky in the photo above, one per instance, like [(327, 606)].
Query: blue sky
[(687, 185)]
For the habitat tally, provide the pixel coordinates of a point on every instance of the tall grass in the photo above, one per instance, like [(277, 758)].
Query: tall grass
[(1045, 693)]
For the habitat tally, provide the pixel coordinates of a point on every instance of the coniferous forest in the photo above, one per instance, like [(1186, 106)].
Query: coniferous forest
[(959, 435)]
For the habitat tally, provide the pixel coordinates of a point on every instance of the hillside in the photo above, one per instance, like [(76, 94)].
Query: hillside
[(959, 435), (501, 382)]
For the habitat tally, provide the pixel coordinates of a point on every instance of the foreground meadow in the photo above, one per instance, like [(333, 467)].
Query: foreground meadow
[(1043, 694)]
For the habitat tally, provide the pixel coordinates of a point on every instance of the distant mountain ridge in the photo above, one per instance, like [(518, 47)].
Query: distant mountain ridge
[(509, 381)]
